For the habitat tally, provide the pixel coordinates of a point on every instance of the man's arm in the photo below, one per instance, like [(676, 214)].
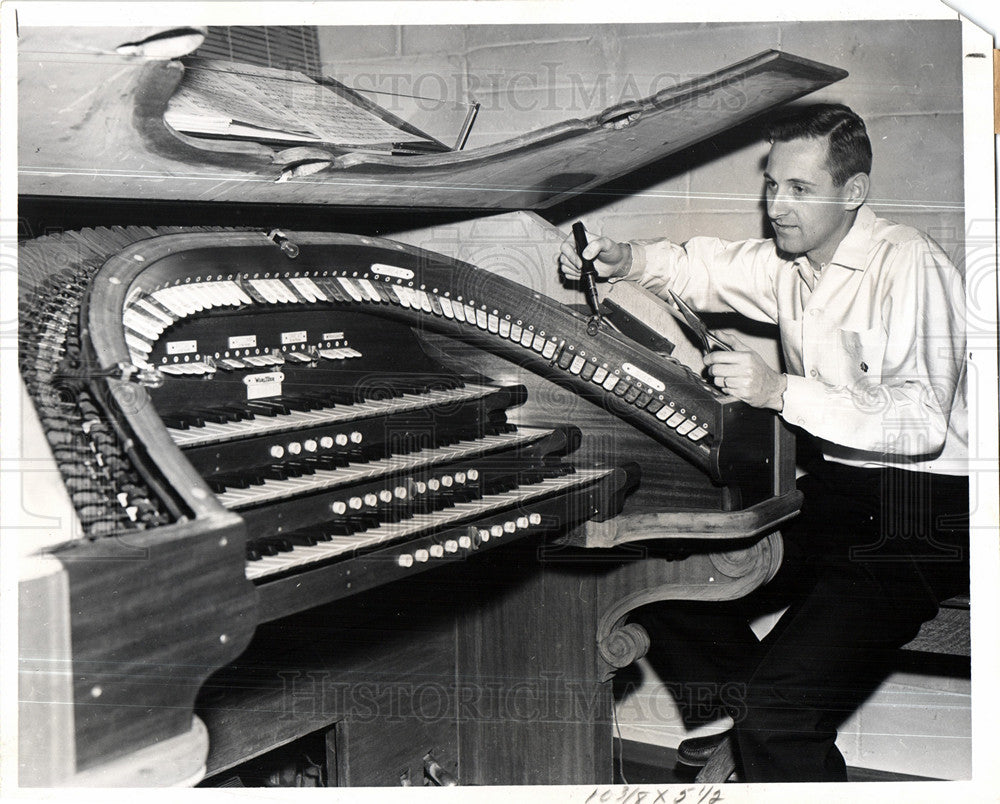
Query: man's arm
[(711, 275)]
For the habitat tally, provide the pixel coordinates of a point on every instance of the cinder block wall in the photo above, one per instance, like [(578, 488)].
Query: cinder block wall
[(905, 80)]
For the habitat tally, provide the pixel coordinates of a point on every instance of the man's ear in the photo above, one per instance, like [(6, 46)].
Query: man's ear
[(856, 191)]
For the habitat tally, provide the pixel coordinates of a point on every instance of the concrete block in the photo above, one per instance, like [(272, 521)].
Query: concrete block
[(733, 180), (343, 43), (573, 78), (485, 36), (895, 66), (433, 39), (917, 161), (660, 56)]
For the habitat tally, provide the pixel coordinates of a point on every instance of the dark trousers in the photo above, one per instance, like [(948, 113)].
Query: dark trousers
[(866, 562)]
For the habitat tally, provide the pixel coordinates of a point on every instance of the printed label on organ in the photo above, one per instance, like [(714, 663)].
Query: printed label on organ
[(182, 347), (642, 376), (293, 337), (242, 341), (260, 386), (392, 270)]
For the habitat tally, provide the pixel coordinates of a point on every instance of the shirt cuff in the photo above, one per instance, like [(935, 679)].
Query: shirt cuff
[(801, 396), (634, 264)]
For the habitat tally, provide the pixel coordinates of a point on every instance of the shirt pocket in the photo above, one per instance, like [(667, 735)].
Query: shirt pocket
[(862, 355)]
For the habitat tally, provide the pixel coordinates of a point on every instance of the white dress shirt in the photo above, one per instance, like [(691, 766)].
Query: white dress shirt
[(873, 342)]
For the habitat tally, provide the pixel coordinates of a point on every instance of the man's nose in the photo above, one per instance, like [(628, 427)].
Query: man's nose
[(777, 204)]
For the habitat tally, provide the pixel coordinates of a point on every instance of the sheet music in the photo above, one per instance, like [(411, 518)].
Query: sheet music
[(220, 97)]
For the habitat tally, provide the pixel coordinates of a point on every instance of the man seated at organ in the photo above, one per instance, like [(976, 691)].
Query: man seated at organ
[(872, 328)]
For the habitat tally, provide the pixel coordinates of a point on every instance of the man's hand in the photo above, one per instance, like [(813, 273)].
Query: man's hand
[(610, 258), (744, 374)]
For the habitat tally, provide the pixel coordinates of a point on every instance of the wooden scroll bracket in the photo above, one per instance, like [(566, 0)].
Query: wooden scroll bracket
[(730, 526), (706, 576)]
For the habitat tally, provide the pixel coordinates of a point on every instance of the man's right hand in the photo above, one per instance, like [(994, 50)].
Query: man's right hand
[(610, 258)]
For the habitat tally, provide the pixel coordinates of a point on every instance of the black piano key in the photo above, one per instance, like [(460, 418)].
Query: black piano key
[(389, 514), (216, 485), (215, 416), (356, 455), (261, 547), (302, 467), (237, 414), (300, 403), (307, 538), (323, 462), (175, 421), (421, 504), (359, 523), (281, 544), (319, 399), (261, 410), (530, 477), (233, 481), (339, 527), (339, 396), (377, 450), (262, 405), (275, 471)]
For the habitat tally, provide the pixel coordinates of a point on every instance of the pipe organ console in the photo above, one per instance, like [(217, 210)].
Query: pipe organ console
[(308, 475)]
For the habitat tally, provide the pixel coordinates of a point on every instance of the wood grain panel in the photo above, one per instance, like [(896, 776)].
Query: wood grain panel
[(91, 124), (141, 650)]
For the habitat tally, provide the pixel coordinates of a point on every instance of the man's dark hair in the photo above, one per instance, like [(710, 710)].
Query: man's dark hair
[(850, 150)]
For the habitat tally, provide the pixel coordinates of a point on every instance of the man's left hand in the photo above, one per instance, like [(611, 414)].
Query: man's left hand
[(744, 374)]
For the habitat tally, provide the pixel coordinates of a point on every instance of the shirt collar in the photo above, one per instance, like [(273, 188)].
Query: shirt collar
[(853, 249), (852, 252)]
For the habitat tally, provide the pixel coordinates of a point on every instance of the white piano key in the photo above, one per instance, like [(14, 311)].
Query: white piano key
[(146, 326), (286, 292), (147, 306), (303, 557), (189, 297), (425, 303), (291, 293), (137, 344), (165, 297), (351, 289), (327, 479), (368, 288), (240, 295), (262, 425), (264, 289)]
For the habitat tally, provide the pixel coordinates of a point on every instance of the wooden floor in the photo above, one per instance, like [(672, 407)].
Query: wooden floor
[(642, 763)]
